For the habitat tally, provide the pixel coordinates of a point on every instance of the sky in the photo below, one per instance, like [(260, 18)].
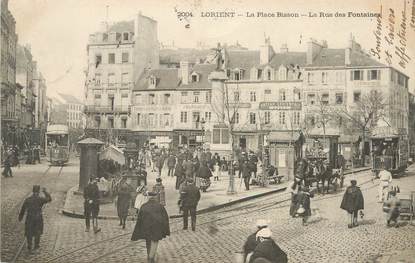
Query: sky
[(58, 30)]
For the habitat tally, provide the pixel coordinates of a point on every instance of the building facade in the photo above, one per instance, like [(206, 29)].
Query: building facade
[(8, 75), (25, 67), (117, 56), (67, 110)]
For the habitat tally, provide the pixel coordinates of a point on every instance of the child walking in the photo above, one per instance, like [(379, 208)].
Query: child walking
[(216, 171)]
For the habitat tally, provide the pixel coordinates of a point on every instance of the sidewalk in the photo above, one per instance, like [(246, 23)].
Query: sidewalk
[(215, 197)]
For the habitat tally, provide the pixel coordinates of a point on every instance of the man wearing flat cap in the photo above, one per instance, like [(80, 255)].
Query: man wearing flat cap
[(152, 225), (32, 207), (267, 251), (251, 242), (352, 202)]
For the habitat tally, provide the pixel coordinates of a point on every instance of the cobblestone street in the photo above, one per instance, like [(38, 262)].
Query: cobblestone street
[(219, 235)]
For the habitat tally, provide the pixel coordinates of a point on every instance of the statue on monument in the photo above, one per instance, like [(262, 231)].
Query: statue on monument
[(219, 57)]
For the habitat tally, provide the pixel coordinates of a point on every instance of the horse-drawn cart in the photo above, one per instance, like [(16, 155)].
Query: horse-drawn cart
[(320, 161)]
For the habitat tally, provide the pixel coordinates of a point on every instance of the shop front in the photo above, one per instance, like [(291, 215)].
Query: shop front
[(154, 138), (189, 138)]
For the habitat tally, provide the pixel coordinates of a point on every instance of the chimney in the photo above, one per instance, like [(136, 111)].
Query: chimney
[(103, 27), (184, 72), (284, 48), (313, 48), (265, 53)]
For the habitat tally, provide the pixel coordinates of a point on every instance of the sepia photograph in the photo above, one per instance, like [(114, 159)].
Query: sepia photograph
[(217, 131)]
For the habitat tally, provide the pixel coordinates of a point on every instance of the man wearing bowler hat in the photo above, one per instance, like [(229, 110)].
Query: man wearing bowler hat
[(32, 207)]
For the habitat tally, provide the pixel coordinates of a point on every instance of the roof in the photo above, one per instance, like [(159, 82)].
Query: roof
[(242, 59), (122, 26), (288, 58), (191, 55), (362, 59), (284, 136), (203, 70), (69, 99), (166, 78), (336, 57)]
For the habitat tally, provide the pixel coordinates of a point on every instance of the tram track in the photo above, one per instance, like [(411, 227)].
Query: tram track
[(40, 181), (262, 205), (270, 207)]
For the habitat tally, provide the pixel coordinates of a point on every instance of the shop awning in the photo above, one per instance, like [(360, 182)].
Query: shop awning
[(344, 139), (384, 132), (284, 136)]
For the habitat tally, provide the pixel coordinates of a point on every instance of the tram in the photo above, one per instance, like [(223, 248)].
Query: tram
[(389, 150), (57, 144)]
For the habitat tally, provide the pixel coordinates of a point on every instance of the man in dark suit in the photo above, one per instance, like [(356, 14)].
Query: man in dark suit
[(152, 225), (189, 196), (91, 204), (32, 207)]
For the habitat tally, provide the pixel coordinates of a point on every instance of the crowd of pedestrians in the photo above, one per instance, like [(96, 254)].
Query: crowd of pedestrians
[(193, 170)]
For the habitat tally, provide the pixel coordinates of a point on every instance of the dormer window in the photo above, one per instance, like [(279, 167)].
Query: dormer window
[(125, 36), (195, 77), (152, 82), (268, 74), (259, 73), (282, 73), (238, 74)]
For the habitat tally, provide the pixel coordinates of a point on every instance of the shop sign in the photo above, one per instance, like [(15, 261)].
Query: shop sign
[(280, 105)]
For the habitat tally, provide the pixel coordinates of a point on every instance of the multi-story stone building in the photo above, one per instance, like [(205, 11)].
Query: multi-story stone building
[(170, 105), (263, 92), (25, 66), (41, 103), (68, 110), (286, 91), (117, 56), (336, 80), (8, 74)]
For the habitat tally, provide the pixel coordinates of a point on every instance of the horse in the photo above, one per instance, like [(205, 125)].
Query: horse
[(332, 176)]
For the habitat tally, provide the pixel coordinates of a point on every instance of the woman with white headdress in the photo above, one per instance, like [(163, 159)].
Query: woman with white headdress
[(267, 251), (141, 197)]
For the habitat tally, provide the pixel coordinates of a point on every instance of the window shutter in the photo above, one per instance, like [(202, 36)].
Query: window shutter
[(351, 75), (361, 75), (368, 75)]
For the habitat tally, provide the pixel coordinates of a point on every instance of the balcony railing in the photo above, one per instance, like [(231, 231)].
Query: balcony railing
[(107, 109)]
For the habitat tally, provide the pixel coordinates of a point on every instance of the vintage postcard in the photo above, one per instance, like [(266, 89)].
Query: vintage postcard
[(207, 131)]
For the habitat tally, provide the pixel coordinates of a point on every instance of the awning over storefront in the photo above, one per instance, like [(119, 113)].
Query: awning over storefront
[(347, 139), (112, 153), (384, 132), (284, 136), (318, 131), (153, 133), (188, 133)]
